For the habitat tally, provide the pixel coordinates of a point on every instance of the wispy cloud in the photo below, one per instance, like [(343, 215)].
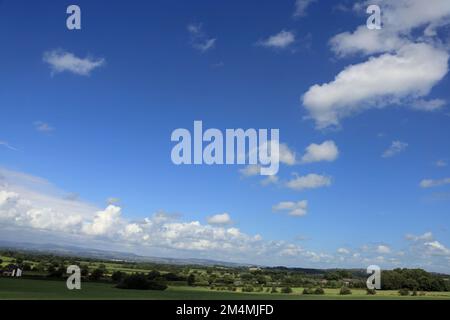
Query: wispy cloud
[(301, 6), (395, 148), (440, 163), (430, 183), (429, 105), (199, 39), (7, 145), (281, 40), (63, 61)]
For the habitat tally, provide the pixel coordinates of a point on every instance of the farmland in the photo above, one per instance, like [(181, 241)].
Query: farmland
[(45, 289), (44, 277)]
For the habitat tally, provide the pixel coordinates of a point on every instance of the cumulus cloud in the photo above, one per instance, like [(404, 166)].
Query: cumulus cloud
[(285, 155), (426, 247), (251, 170), (61, 61), (383, 249), (402, 68), (394, 149), (295, 209), (343, 251), (270, 180), (220, 219), (436, 247), (281, 40), (301, 7), (327, 151), (104, 222), (33, 209), (310, 181), (391, 78), (199, 39), (430, 183), (31, 205)]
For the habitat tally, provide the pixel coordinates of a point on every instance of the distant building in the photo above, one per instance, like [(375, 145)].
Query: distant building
[(12, 271)]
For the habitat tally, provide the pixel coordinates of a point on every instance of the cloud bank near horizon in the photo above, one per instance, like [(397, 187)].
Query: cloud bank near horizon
[(35, 207)]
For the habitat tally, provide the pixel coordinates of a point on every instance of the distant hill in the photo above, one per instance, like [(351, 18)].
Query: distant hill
[(109, 255)]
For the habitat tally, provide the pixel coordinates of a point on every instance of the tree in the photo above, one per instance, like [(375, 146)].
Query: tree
[(140, 282), (286, 290), (345, 290), (274, 290), (117, 276), (319, 291), (371, 292), (152, 275), (191, 280), (308, 291), (84, 270), (403, 292), (97, 274), (248, 288)]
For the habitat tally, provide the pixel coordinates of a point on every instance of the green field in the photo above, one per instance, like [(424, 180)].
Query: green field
[(44, 289)]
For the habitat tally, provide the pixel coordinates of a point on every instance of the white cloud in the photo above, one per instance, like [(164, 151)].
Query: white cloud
[(409, 66), (296, 209), (437, 247), (105, 222), (33, 210), (43, 127), (250, 170), (430, 183), (428, 105), (270, 180), (310, 181), (60, 61), (383, 249), (301, 6), (199, 39), (383, 80), (281, 40), (343, 251), (440, 163), (327, 151), (8, 146), (220, 219), (395, 148), (285, 155), (365, 41), (427, 236)]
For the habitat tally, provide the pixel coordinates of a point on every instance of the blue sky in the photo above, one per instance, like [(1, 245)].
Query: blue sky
[(72, 138)]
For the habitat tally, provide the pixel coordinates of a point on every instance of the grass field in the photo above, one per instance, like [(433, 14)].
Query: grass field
[(45, 290)]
